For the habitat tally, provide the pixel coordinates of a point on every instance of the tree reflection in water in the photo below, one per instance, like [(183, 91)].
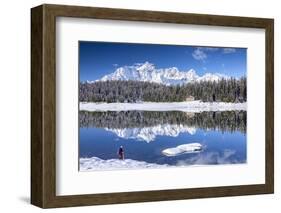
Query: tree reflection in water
[(223, 121)]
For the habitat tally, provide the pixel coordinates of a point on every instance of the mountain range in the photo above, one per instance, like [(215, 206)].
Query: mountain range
[(147, 72)]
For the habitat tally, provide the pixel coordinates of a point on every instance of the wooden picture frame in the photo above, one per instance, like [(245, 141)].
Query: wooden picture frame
[(43, 105)]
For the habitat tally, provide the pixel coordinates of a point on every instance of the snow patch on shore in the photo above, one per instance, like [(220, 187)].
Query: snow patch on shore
[(183, 149), (191, 106), (97, 164), (200, 159)]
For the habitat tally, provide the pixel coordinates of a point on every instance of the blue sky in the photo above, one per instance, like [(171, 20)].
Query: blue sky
[(97, 59)]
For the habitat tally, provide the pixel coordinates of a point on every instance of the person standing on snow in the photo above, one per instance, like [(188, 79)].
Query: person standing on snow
[(121, 153)]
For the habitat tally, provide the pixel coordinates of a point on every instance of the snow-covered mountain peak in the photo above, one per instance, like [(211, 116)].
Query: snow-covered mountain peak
[(144, 67), (191, 72), (147, 72)]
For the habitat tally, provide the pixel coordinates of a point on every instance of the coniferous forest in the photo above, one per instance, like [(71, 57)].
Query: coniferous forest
[(225, 90)]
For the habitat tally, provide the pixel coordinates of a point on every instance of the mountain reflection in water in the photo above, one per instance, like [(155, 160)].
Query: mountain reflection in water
[(145, 134), (128, 124)]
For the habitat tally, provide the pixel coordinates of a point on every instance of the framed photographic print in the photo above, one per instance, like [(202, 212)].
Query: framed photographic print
[(136, 106)]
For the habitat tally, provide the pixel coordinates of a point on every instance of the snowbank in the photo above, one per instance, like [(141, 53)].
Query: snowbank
[(96, 164), (183, 149), (191, 106)]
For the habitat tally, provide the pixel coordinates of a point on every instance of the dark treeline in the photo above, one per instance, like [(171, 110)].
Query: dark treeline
[(125, 91), (231, 90), (223, 121)]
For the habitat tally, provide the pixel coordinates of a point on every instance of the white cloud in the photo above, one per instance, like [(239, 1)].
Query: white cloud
[(115, 65), (229, 50), (199, 54)]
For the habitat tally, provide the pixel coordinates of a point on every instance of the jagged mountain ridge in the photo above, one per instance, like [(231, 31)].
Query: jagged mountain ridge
[(147, 72)]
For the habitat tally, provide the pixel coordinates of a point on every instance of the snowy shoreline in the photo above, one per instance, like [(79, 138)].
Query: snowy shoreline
[(97, 164), (191, 106)]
